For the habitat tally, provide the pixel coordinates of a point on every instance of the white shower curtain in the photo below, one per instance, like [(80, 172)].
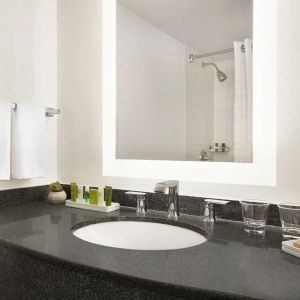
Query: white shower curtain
[(243, 102)]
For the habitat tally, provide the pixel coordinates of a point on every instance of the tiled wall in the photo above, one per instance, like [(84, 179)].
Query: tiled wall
[(199, 108), (224, 110), (209, 108)]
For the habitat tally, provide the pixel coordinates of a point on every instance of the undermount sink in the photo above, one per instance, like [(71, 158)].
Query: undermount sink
[(139, 235)]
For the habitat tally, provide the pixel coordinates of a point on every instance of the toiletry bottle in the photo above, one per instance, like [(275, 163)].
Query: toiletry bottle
[(223, 147), (94, 196), (86, 194), (108, 195), (216, 147), (74, 191), (101, 201), (80, 194)]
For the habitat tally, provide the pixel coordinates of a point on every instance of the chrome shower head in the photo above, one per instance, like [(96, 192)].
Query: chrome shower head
[(221, 75), (191, 58)]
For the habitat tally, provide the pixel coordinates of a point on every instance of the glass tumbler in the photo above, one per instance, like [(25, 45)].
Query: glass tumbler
[(290, 220), (254, 215)]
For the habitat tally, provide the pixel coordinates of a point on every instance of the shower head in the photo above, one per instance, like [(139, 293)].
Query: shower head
[(191, 58), (221, 75)]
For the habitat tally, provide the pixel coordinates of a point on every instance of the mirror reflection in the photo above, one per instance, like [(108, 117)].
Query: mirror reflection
[(184, 80)]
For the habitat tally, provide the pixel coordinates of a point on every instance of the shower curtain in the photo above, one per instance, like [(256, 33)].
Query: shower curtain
[(243, 101)]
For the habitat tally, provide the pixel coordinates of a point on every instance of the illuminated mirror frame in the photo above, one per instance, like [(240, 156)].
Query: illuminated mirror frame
[(263, 169)]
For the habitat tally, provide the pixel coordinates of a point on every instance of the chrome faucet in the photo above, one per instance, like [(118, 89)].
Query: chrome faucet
[(173, 187)]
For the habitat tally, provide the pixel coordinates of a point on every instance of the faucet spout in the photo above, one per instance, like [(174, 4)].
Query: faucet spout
[(172, 186)]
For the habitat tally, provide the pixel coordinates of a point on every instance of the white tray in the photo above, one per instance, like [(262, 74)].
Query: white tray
[(106, 209), (287, 246)]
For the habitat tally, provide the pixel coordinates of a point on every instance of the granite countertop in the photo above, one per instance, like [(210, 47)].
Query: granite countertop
[(229, 263)]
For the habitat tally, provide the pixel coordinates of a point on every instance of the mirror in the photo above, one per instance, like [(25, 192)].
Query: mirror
[(184, 80)]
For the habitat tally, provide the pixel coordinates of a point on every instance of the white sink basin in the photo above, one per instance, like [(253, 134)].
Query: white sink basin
[(139, 235)]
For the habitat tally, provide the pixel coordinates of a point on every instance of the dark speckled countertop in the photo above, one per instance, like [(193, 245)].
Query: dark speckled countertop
[(230, 262)]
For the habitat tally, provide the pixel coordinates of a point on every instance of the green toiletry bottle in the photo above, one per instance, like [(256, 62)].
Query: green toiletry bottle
[(223, 147), (108, 195), (86, 194), (74, 191), (216, 147), (94, 195)]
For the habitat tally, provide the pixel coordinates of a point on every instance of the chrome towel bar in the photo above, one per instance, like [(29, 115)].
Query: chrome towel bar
[(49, 112)]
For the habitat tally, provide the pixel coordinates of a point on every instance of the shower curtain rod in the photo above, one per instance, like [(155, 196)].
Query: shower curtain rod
[(192, 57)]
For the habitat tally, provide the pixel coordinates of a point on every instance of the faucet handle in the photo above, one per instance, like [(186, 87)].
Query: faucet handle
[(209, 210), (140, 202), (161, 187)]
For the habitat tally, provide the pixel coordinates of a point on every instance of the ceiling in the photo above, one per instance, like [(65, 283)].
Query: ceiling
[(203, 25)]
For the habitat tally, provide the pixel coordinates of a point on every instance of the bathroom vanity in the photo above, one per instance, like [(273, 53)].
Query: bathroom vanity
[(131, 129), (40, 257)]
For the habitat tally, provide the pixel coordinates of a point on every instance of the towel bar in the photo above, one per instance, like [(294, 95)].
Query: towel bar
[(49, 112)]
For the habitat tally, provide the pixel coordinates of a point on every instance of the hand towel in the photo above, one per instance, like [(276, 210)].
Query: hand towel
[(5, 132), (28, 135)]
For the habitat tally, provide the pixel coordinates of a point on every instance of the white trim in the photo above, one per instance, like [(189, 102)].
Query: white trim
[(263, 169)]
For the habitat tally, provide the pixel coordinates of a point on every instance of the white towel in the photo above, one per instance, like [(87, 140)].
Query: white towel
[(28, 135), (5, 131)]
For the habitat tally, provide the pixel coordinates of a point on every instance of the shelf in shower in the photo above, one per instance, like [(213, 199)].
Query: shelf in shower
[(220, 150)]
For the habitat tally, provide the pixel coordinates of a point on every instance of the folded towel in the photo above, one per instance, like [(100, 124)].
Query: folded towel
[(28, 134), (5, 131)]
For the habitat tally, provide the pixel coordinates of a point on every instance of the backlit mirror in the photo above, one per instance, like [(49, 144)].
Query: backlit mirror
[(184, 80)]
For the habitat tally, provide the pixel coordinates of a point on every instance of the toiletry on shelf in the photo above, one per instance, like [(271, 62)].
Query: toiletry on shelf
[(94, 195), (101, 201), (99, 208), (95, 198), (92, 198), (86, 194), (216, 147), (219, 147), (80, 193), (223, 147), (74, 191), (108, 195)]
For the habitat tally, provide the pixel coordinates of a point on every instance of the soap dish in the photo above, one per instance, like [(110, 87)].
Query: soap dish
[(105, 209), (288, 247)]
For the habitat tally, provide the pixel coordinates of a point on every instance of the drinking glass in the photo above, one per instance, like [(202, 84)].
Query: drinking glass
[(255, 215), (290, 220)]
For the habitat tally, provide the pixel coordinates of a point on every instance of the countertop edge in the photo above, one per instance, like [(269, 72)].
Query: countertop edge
[(181, 290)]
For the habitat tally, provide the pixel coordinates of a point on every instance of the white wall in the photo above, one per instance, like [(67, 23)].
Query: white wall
[(150, 91), (79, 82), (28, 67), (80, 155)]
